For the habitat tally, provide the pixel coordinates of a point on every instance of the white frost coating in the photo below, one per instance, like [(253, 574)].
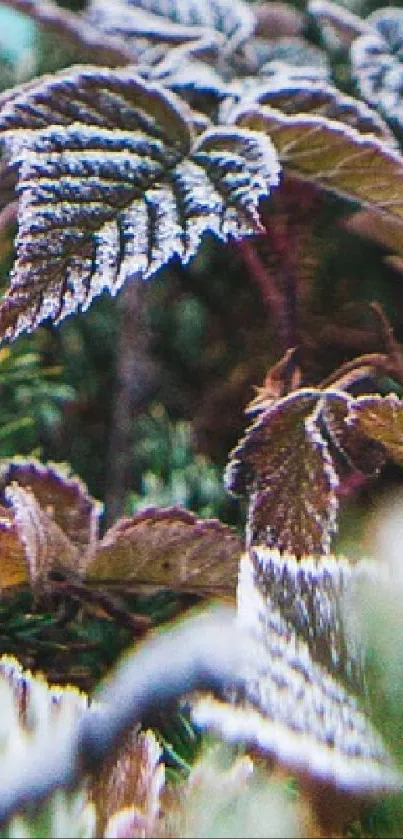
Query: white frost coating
[(98, 204), (355, 773), (167, 236), (293, 706), (329, 526), (134, 230)]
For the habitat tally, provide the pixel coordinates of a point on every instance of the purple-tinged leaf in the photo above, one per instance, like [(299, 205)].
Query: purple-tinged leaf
[(113, 183), (63, 498), (283, 465), (300, 699)]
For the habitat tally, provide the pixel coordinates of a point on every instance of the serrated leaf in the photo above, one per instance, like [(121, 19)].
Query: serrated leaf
[(294, 96), (294, 55), (376, 58), (233, 18), (172, 548), (300, 698), (63, 498), (351, 448), (381, 419), (347, 25), (335, 157), (113, 184), (284, 466)]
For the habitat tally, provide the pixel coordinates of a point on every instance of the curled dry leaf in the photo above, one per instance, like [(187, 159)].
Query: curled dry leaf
[(13, 564), (52, 524), (301, 700), (171, 548), (46, 546), (63, 497)]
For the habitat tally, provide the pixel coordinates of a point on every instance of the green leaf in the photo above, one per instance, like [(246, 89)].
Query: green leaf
[(172, 548), (333, 156), (113, 183)]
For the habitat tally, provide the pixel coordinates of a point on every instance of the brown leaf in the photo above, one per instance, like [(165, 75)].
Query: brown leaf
[(381, 419), (63, 498), (351, 448), (127, 790), (46, 546), (169, 547), (13, 564)]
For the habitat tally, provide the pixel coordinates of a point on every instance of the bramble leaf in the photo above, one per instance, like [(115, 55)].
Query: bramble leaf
[(157, 19), (283, 465), (172, 548), (336, 157), (299, 699), (376, 58), (113, 184), (381, 419), (350, 447), (291, 95), (63, 498)]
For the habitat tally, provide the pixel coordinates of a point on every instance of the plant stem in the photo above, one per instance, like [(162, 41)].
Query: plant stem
[(135, 379)]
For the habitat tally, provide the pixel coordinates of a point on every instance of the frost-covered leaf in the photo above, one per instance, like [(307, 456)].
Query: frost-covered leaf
[(333, 156), (172, 548), (293, 55), (376, 58), (289, 463), (63, 498), (283, 465), (350, 446), (194, 81), (233, 18), (113, 184), (339, 20), (293, 96), (381, 420), (126, 792), (301, 699)]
